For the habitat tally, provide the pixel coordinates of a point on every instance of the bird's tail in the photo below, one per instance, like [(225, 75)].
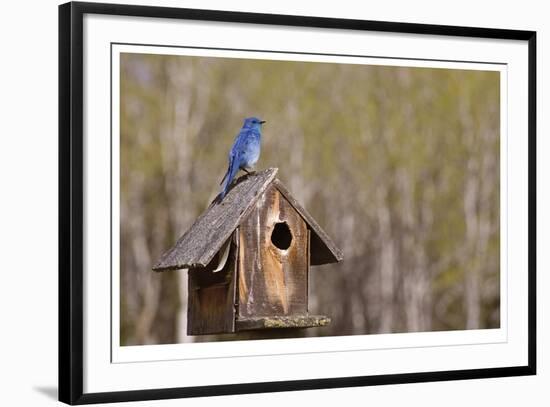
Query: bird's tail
[(226, 174), (231, 172)]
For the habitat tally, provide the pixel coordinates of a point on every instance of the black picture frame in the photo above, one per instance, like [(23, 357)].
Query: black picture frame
[(71, 232)]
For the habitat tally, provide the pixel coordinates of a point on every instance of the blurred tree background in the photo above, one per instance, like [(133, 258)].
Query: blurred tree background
[(399, 165)]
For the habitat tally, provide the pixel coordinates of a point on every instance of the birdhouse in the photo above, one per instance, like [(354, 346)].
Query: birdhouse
[(248, 258)]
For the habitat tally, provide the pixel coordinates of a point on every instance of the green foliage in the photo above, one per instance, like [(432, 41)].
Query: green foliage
[(385, 158)]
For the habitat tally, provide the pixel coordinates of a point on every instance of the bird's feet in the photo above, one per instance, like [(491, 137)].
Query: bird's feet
[(249, 172)]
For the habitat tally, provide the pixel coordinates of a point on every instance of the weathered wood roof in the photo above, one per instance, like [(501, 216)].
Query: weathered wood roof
[(206, 236)]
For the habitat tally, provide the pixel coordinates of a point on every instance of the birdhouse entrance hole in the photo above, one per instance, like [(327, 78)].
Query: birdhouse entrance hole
[(281, 236)]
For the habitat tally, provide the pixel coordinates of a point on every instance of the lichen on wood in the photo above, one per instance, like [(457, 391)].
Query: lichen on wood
[(291, 321)]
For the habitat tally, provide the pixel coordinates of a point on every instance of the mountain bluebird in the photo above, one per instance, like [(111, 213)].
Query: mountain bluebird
[(245, 151)]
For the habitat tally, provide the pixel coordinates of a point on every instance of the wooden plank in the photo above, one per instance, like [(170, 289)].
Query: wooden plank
[(308, 266), (203, 240), (292, 321), (272, 281), (323, 250), (212, 296)]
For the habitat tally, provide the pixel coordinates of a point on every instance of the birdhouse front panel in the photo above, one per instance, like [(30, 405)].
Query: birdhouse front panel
[(273, 259)]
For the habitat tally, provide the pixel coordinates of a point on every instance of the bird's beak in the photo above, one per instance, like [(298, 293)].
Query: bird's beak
[(262, 121)]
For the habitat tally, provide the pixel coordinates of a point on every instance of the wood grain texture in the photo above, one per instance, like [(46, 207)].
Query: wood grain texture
[(308, 265), (322, 250), (212, 296), (271, 281), (203, 240)]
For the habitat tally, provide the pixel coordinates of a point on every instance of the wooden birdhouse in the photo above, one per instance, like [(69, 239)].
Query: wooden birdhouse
[(248, 259)]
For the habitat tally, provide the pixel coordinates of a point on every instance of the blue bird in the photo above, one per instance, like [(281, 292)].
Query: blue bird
[(245, 151)]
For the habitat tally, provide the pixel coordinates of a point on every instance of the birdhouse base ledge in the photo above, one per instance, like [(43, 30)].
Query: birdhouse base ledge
[(290, 321)]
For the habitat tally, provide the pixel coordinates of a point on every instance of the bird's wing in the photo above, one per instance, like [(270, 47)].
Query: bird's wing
[(246, 142), (240, 140), (240, 146)]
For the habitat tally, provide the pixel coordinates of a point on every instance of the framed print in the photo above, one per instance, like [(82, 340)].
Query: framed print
[(257, 202)]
